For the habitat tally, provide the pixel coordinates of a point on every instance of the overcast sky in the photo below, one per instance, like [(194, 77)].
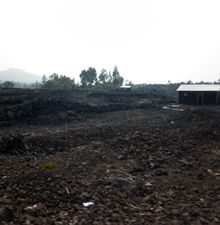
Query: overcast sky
[(151, 41)]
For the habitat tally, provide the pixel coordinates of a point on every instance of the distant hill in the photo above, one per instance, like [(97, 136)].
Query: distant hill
[(18, 75)]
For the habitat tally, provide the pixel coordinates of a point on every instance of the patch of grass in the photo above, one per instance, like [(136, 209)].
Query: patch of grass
[(49, 165)]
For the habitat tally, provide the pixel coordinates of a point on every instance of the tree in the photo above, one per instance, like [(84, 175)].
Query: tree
[(44, 79), (217, 82), (110, 77), (189, 82), (83, 78), (128, 83), (37, 85), (89, 77), (117, 80), (8, 84), (103, 77), (56, 81)]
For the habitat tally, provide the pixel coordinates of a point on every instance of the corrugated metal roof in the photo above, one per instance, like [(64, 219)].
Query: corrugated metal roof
[(125, 86), (199, 87)]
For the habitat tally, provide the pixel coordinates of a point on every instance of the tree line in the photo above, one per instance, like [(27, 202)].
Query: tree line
[(88, 79)]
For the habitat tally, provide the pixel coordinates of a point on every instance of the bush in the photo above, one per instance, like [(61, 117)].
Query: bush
[(49, 165)]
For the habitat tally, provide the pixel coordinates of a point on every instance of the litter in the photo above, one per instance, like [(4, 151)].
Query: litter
[(35, 206), (86, 204)]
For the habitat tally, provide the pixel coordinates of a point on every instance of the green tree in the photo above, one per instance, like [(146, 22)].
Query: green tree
[(110, 77), (103, 77), (60, 82), (89, 77), (36, 85), (44, 79), (8, 84), (128, 83), (83, 78), (117, 79)]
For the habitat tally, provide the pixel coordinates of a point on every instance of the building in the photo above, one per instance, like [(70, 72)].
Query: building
[(199, 94), (125, 88)]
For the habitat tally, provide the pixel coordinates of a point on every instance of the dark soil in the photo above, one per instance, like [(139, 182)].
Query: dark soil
[(137, 158)]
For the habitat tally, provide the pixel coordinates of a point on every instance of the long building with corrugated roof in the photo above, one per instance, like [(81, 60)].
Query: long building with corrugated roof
[(199, 94)]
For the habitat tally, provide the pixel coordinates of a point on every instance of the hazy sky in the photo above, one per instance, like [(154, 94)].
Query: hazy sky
[(149, 40)]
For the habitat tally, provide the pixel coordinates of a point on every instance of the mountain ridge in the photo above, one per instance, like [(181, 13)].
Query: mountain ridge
[(18, 75)]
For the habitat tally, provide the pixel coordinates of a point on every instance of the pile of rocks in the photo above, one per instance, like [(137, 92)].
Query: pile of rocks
[(11, 144)]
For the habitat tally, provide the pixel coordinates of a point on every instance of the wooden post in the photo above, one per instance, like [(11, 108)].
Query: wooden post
[(198, 97), (217, 98)]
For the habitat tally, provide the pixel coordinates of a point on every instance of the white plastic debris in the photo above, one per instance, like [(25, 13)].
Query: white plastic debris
[(173, 108), (86, 204), (31, 207), (67, 190)]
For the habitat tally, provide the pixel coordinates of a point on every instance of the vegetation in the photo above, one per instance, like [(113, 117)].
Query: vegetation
[(58, 82), (117, 80), (90, 80), (105, 78), (166, 89), (8, 84), (88, 77), (49, 165)]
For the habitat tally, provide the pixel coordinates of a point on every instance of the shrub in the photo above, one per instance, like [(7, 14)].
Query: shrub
[(49, 165)]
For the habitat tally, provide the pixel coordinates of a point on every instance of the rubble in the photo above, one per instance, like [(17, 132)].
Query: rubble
[(111, 163)]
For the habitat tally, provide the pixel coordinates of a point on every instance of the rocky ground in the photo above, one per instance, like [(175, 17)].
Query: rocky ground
[(98, 158)]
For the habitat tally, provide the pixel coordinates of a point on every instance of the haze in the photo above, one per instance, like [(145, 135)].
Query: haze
[(150, 41)]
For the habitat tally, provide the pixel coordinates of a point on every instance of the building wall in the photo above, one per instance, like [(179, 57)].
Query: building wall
[(210, 97), (198, 98), (187, 97)]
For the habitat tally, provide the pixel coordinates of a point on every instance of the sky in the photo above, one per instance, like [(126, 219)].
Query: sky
[(150, 41)]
